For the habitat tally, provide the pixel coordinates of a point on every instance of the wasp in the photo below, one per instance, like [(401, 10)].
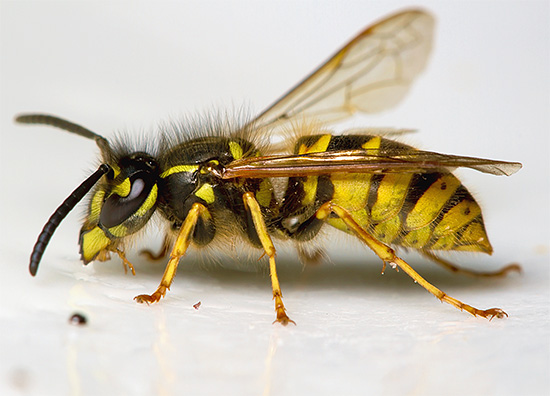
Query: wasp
[(216, 181)]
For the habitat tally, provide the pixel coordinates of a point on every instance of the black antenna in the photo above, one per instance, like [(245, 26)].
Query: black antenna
[(60, 213), (45, 119)]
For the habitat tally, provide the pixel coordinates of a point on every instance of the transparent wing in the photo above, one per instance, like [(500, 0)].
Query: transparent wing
[(362, 161), (371, 73)]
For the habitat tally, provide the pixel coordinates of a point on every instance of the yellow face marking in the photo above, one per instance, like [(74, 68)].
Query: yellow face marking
[(318, 147), (179, 169), (372, 144), (149, 202), (236, 150), (264, 194), (432, 201), (95, 206), (392, 192), (122, 189), (351, 190), (456, 218), (93, 242), (206, 193)]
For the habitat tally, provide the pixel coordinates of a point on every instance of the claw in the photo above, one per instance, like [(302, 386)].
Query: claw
[(125, 263), (493, 312), (153, 298), (283, 319)]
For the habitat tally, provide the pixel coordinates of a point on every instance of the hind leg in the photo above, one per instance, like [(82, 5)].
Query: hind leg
[(457, 270), (387, 255)]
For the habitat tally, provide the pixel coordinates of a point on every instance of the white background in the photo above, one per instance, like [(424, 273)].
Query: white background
[(125, 66)]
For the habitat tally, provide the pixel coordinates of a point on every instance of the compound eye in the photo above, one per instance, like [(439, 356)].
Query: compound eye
[(117, 209)]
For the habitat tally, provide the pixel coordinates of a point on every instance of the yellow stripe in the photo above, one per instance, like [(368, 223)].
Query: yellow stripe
[(318, 147), (417, 238), (206, 192), (179, 169), (310, 185), (264, 193), (475, 237), (361, 217), (236, 150), (388, 230), (310, 190), (391, 194), (372, 144), (432, 201), (456, 218), (351, 190), (446, 242)]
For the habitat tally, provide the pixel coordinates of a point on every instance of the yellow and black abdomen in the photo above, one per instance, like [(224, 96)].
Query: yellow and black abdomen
[(425, 211)]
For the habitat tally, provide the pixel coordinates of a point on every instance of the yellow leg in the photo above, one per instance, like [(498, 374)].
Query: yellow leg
[(387, 254), (125, 263), (457, 270), (163, 250), (252, 205), (179, 249)]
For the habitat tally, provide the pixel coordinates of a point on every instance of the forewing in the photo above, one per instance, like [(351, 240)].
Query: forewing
[(362, 161), (371, 73)]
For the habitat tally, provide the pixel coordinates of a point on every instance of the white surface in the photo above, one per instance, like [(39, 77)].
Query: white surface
[(119, 66)]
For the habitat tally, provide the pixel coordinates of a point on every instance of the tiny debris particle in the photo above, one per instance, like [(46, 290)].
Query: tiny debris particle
[(197, 305), (78, 319)]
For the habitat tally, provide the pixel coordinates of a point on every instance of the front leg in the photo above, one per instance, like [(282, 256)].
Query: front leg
[(178, 251)]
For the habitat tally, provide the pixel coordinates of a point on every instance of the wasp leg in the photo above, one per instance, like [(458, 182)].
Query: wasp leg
[(166, 243), (125, 263), (178, 251), (252, 205), (387, 254), (457, 270)]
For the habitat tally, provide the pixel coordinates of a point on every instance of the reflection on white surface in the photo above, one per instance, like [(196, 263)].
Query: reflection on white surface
[(111, 67)]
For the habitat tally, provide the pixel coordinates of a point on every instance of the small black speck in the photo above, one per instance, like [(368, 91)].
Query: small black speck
[(443, 186), (78, 319), (467, 211)]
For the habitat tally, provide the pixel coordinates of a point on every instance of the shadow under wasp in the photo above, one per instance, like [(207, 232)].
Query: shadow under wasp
[(215, 180)]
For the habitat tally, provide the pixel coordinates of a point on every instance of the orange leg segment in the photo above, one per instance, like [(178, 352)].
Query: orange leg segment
[(178, 251), (457, 270), (252, 205)]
